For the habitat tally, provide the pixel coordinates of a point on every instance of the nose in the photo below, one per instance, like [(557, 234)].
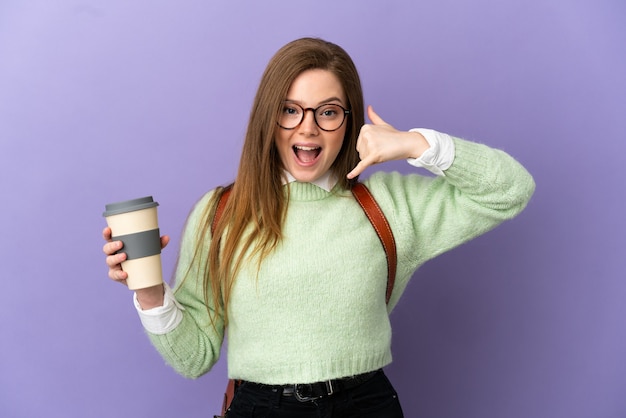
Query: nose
[(308, 124)]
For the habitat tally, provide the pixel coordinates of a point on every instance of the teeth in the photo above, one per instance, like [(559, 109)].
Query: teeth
[(302, 148)]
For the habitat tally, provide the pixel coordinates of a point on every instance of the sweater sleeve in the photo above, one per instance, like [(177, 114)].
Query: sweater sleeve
[(482, 188), (194, 345)]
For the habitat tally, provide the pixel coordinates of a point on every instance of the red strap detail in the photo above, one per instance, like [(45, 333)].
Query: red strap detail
[(221, 204), (231, 387), (383, 230)]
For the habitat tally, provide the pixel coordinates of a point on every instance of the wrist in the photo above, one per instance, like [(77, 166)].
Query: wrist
[(150, 297), (418, 144)]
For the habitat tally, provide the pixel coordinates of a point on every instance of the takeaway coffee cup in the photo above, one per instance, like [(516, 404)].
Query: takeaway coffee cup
[(135, 223)]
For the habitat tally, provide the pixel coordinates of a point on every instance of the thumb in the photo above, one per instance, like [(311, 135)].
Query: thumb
[(165, 239), (373, 116)]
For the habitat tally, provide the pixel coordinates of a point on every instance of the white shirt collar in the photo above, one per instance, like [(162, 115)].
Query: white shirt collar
[(325, 182)]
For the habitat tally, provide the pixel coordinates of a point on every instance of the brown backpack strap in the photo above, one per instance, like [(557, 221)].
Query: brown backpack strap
[(383, 230), (221, 204), (372, 211), (231, 388)]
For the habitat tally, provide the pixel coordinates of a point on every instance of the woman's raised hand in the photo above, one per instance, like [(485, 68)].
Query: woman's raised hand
[(379, 142)]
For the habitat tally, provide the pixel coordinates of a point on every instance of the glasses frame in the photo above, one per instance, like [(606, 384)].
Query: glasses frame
[(346, 112)]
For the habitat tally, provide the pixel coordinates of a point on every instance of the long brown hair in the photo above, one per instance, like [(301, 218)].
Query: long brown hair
[(253, 217)]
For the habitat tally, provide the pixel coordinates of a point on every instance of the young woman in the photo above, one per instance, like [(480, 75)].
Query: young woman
[(294, 270)]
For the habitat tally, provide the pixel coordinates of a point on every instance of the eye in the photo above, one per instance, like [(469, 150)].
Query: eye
[(290, 110), (329, 112)]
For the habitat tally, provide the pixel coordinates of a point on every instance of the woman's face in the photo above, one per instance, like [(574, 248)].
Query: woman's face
[(307, 151)]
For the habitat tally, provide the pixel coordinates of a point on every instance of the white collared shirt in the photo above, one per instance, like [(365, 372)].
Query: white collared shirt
[(326, 182)]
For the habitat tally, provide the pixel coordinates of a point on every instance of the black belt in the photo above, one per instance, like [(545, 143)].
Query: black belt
[(305, 392)]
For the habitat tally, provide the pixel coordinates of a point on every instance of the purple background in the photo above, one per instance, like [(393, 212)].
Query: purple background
[(109, 100)]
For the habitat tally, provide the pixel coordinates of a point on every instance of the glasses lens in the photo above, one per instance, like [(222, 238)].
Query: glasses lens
[(329, 117), (290, 116)]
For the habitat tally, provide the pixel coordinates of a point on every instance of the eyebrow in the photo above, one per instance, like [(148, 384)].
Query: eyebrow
[(323, 102)]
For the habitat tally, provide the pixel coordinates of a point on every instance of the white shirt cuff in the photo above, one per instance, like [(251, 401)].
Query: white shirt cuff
[(162, 319), (439, 156)]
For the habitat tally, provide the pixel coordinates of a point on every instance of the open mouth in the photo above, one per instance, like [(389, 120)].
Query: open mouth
[(306, 154)]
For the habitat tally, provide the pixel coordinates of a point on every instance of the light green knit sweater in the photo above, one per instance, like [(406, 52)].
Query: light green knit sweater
[(317, 310)]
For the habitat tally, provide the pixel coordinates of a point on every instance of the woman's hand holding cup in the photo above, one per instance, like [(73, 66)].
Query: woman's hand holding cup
[(148, 297), (133, 248)]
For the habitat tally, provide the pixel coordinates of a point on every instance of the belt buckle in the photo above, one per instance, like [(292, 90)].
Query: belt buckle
[(304, 398)]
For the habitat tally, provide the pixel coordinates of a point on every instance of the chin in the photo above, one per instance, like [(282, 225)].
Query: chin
[(306, 177)]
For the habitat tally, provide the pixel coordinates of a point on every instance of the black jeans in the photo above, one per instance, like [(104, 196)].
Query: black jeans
[(375, 398)]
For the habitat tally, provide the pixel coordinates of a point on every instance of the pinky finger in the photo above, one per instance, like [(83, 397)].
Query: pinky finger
[(118, 275)]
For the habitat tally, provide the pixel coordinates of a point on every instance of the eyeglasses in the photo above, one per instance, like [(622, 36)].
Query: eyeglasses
[(329, 117)]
